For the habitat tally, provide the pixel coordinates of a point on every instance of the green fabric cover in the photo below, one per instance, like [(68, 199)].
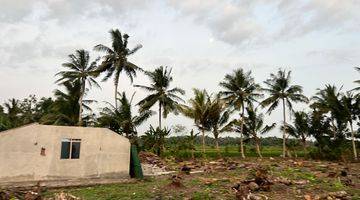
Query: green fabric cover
[(135, 165)]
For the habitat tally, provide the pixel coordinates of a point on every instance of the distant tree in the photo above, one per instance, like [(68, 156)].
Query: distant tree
[(320, 129), (5, 123), (300, 127), (154, 139), (80, 69), (191, 139), (116, 61), (198, 110), (185, 141), (330, 111), (352, 112), (161, 93), (240, 90), (122, 120), (328, 101), (29, 110), (178, 128), (254, 125), (65, 109), (13, 112), (21, 112), (280, 90), (43, 107), (218, 117)]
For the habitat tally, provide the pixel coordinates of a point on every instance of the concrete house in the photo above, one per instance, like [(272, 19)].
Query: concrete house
[(41, 152)]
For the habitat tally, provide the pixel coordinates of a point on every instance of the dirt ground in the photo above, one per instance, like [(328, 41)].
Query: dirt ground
[(252, 178)]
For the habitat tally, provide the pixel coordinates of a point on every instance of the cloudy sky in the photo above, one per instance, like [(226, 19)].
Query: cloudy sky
[(201, 40)]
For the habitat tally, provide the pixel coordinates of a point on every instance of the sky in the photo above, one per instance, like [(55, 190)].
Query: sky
[(201, 41)]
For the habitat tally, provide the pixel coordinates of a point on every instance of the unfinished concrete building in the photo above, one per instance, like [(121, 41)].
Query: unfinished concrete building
[(41, 152)]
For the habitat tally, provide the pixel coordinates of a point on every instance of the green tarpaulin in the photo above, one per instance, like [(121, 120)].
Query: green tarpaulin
[(135, 165)]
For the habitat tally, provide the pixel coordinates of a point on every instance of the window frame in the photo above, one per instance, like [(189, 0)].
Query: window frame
[(70, 150)]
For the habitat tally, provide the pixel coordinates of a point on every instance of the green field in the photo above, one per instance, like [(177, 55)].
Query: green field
[(232, 151)]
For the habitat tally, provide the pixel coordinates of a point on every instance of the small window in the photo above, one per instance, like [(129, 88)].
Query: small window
[(70, 148)]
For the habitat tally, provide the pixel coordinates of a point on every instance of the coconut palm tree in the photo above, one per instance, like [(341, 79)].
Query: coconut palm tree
[(116, 61), (218, 118), (161, 93), (320, 129), (28, 110), (239, 90), (191, 139), (335, 108), (254, 125), (43, 107), (155, 139), (300, 127), (329, 101), (121, 120), (280, 90), (13, 111), (352, 109), (198, 110), (79, 68), (65, 108)]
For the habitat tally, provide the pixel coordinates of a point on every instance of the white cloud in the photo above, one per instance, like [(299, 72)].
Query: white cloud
[(11, 10), (258, 22), (51, 29)]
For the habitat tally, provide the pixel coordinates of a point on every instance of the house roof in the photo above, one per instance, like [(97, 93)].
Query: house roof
[(72, 127)]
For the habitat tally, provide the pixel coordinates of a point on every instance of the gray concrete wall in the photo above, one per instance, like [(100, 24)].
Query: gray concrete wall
[(103, 153)]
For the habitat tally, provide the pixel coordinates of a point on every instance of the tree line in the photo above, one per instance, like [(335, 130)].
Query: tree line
[(332, 116)]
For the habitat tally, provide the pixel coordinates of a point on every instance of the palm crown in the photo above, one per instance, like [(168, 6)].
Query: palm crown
[(65, 109), (254, 125), (254, 122), (121, 119), (82, 70), (198, 109), (218, 116), (279, 88), (328, 100), (300, 128), (168, 99), (239, 89), (13, 110), (115, 60)]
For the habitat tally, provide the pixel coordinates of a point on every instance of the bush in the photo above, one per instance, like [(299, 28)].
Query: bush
[(342, 152)]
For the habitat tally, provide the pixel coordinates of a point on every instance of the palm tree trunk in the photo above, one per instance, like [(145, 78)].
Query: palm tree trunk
[(203, 142), (80, 101), (334, 128), (284, 132), (192, 150), (353, 141), (242, 146), (304, 145), (217, 145), (257, 143), (241, 134), (116, 93), (160, 115)]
